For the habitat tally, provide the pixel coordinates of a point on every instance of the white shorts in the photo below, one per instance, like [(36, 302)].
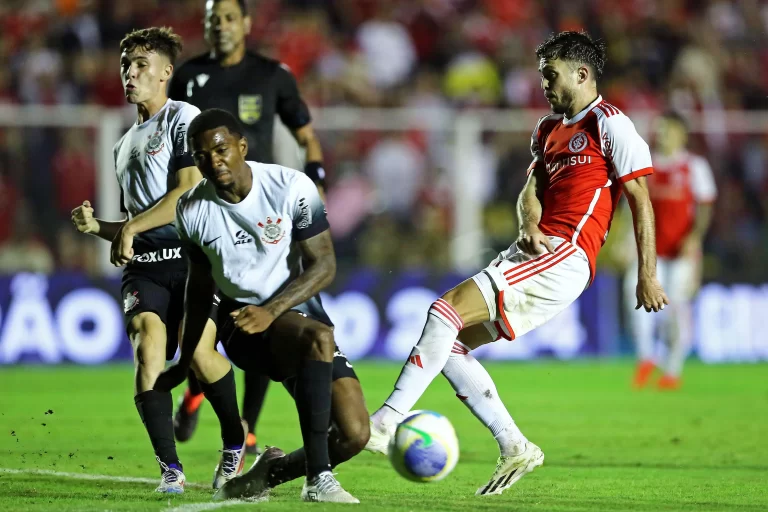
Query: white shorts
[(523, 291)]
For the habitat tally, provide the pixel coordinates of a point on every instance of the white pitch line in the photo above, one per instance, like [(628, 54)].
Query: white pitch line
[(88, 476), (200, 507)]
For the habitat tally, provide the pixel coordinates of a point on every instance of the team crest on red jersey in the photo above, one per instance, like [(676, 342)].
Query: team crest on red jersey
[(273, 232), (578, 142)]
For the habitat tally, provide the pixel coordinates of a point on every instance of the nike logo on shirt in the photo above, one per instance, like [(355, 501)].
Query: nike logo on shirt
[(209, 242)]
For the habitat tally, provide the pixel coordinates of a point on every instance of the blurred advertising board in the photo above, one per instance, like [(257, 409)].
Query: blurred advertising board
[(71, 318)]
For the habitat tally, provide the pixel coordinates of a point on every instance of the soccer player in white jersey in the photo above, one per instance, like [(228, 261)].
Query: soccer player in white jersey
[(584, 156), (259, 233), (154, 168), (683, 192)]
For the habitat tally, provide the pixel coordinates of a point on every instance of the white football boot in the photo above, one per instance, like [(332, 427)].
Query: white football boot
[(511, 469), (172, 480), (326, 489), (231, 463), (380, 438)]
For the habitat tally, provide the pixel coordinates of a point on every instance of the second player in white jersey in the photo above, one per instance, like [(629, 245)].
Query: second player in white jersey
[(147, 158), (251, 245), (154, 169)]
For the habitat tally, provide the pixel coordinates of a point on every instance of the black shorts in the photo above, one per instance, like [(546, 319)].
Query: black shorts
[(159, 292), (251, 353)]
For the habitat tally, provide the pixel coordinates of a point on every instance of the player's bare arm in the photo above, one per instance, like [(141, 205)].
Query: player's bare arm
[(692, 244), (85, 222), (161, 214), (198, 297), (306, 138), (650, 294), (319, 262), (531, 240)]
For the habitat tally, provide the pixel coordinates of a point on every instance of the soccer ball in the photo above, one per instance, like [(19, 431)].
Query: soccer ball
[(424, 447)]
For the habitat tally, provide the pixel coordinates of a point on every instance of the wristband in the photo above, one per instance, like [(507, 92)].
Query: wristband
[(315, 172)]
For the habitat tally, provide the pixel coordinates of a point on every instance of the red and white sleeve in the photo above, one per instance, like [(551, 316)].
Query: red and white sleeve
[(624, 147)]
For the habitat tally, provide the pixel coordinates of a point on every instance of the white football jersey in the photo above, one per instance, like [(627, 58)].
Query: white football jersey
[(252, 245), (146, 160)]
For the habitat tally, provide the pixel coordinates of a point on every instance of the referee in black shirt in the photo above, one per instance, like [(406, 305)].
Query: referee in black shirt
[(255, 89)]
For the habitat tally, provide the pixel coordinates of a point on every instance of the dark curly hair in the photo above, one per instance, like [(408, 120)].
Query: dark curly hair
[(576, 47), (161, 40), (211, 119)]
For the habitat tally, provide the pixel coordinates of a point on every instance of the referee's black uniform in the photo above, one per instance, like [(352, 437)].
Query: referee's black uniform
[(254, 90)]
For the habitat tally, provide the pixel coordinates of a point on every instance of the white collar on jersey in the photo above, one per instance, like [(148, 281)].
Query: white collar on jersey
[(578, 117), (165, 105)]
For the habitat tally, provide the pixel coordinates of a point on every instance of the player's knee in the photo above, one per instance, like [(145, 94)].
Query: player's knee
[(358, 435), (149, 356), (321, 344), (147, 335)]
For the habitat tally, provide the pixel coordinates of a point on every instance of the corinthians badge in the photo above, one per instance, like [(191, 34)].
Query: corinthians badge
[(273, 232), (155, 144)]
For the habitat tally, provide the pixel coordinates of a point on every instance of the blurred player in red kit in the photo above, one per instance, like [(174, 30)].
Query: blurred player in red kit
[(682, 191), (585, 155)]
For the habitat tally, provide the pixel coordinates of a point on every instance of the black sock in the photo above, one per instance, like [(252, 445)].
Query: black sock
[(294, 465), (193, 384), (313, 402), (223, 398), (256, 386), (156, 412)]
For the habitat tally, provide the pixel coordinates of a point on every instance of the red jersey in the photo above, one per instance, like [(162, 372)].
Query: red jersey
[(680, 182), (586, 158)]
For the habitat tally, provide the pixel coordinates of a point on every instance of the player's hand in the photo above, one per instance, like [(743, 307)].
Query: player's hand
[(122, 247), (532, 241), (650, 294), (171, 377), (82, 218), (253, 319)]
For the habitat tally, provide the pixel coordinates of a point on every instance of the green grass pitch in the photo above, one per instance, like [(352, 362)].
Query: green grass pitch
[(607, 447)]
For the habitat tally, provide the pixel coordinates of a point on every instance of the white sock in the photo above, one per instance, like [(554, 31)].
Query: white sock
[(425, 362), (679, 338), (642, 332), (641, 324), (476, 389)]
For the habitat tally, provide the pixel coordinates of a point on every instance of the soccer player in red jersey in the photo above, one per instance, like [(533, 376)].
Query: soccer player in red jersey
[(585, 155), (682, 191)]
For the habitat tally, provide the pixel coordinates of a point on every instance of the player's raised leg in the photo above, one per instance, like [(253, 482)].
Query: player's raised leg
[(148, 338), (475, 388), (461, 307), (217, 380)]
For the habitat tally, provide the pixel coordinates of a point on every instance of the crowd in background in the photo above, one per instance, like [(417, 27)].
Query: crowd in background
[(389, 198)]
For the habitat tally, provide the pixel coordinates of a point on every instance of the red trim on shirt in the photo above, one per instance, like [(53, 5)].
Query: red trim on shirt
[(636, 174)]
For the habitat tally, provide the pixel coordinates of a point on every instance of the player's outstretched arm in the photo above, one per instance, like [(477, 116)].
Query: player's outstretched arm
[(198, 298), (161, 214), (650, 294), (319, 261), (306, 138), (85, 222), (530, 239)]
